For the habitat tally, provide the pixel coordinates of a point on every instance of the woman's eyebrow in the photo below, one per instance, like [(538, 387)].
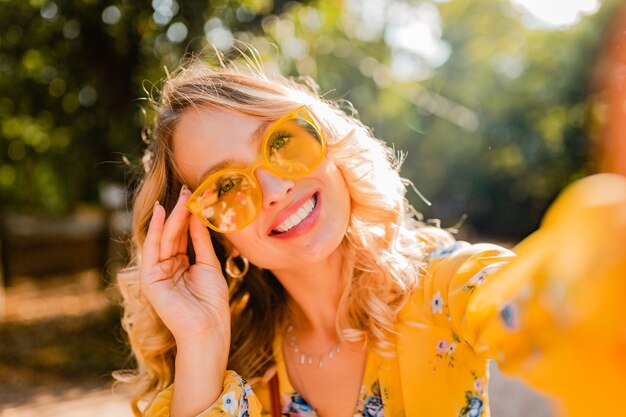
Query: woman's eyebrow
[(255, 136)]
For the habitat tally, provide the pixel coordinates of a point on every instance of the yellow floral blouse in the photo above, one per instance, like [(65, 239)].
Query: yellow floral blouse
[(552, 313), (369, 402)]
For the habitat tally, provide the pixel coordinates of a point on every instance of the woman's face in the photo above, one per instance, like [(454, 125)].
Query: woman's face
[(204, 138)]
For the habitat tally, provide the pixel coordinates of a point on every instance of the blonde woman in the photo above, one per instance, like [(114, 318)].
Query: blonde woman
[(281, 271)]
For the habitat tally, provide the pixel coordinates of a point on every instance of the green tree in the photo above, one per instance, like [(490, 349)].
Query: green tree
[(492, 113)]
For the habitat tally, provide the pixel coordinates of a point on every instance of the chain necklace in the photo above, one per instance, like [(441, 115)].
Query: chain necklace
[(310, 359)]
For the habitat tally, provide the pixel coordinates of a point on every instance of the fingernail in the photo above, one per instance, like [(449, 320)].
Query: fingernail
[(156, 204), (183, 189)]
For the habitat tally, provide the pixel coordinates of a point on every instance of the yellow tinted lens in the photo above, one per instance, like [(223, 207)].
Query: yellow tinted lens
[(294, 147), (227, 201)]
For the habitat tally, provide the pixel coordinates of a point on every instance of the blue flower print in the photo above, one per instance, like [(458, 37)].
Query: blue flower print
[(474, 401), (444, 251), (229, 402), (481, 276), (476, 407), (509, 316), (299, 405), (243, 405), (373, 407)]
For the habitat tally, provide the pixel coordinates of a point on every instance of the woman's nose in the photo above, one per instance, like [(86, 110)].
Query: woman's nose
[(274, 187)]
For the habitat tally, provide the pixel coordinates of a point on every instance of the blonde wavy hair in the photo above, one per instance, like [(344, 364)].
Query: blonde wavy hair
[(385, 245)]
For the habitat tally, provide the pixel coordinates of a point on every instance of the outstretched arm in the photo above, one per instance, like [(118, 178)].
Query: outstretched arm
[(554, 315)]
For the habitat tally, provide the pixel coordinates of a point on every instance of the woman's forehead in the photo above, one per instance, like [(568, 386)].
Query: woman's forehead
[(204, 137)]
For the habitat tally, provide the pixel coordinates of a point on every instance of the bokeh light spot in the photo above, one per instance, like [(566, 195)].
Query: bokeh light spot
[(311, 18), (32, 61), (111, 15), (70, 103), (57, 87), (164, 11), (245, 14), (71, 29), (555, 14), (295, 48), (306, 66), (47, 74), (382, 76), (367, 66), (42, 143), (218, 35), (87, 96), (11, 128), (49, 10), (177, 32)]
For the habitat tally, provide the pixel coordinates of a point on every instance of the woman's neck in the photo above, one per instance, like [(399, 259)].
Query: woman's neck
[(314, 294)]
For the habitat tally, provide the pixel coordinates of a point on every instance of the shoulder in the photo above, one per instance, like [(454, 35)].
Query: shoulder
[(453, 268)]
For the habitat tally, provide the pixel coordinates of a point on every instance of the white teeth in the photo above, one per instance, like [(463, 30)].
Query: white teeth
[(297, 217)]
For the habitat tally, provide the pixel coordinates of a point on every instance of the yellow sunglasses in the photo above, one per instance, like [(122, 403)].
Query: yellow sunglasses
[(230, 199)]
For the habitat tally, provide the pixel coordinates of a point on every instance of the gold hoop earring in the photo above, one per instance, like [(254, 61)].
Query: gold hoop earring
[(232, 270)]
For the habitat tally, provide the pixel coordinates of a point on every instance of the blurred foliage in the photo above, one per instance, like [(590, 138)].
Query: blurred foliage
[(491, 112)]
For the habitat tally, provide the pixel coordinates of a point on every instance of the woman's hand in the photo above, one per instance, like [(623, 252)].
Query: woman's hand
[(191, 300)]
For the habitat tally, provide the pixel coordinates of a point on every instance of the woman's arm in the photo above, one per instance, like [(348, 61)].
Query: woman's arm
[(199, 371), (554, 315)]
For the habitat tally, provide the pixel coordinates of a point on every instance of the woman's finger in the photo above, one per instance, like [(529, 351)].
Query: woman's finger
[(172, 268), (157, 284), (183, 238), (201, 238), (174, 226), (150, 250)]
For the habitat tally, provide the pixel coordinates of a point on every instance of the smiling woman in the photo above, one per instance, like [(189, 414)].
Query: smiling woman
[(281, 271)]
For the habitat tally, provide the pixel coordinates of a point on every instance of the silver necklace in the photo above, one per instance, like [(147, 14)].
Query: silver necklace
[(310, 359)]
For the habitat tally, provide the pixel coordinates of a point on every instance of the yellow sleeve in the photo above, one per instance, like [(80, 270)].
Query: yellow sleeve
[(237, 399), (555, 314)]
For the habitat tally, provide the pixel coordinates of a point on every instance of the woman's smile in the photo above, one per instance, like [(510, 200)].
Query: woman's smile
[(298, 218)]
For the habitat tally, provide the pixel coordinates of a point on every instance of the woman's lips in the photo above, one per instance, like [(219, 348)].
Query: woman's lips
[(288, 211), (304, 225)]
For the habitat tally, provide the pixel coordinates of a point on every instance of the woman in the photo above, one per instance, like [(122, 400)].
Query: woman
[(282, 271)]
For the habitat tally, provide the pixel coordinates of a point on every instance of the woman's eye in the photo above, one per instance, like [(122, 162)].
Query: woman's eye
[(280, 141), (227, 185)]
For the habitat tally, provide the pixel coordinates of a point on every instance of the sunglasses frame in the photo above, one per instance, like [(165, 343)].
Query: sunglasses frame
[(301, 113)]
